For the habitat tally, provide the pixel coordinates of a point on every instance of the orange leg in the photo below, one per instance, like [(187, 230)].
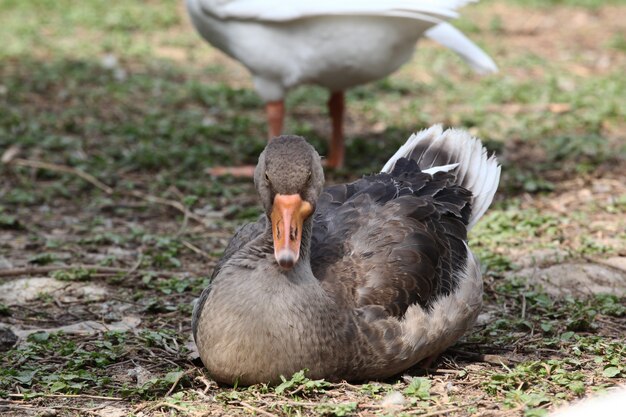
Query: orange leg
[(242, 171), (336, 108), (275, 111)]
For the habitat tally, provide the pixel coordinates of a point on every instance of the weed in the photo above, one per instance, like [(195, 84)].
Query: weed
[(418, 388), (157, 385), (57, 363), (301, 384), (43, 259), (339, 410), (4, 310), (162, 252), (372, 388), (76, 274), (8, 221)]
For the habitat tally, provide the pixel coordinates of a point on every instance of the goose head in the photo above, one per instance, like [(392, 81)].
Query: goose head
[(289, 178)]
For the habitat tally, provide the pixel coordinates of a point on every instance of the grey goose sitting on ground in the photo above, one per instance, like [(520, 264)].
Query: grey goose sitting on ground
[(355, 281)]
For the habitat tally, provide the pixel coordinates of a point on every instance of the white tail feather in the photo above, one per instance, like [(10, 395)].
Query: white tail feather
[(452, 38), (454, 150)]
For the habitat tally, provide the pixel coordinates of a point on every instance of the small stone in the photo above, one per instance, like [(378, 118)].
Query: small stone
[(5, 263), (193, 349), (24, 290), (122, 253), (109, 61), (110, 411), (8, 339), (140, 374), (485, 318), (209, 121)]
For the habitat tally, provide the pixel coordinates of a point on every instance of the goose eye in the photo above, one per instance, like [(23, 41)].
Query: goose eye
[(267, 178)]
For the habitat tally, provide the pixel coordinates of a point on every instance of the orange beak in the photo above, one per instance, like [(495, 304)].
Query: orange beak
[(288, 214)]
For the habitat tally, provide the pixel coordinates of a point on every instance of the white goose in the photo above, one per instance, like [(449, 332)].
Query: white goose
[(334, 44)]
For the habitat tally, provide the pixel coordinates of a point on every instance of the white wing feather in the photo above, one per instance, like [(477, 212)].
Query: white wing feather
[(474, 169), (280, 10)]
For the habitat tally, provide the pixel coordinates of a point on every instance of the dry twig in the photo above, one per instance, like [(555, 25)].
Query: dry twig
[(149, 407), (164, 201), (435, 413), (103, 270), (60, 168), (91, 397), (177, 381), (256, 409), (196, 249)]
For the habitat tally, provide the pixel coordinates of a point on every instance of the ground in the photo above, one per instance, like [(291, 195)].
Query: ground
[(110, 114)]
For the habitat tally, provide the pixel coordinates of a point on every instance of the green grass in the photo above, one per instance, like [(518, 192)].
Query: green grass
[(71, 27), (57, 363), (151, 138)]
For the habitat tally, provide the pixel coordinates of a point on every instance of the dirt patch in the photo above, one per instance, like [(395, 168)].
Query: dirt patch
[(558, 33), (577, 280)]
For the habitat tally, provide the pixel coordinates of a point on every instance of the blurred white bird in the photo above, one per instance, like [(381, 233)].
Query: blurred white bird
[(334, 44), (608, 404)]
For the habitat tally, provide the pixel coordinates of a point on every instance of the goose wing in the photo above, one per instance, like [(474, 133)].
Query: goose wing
[(391, 240), (242, 236)]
